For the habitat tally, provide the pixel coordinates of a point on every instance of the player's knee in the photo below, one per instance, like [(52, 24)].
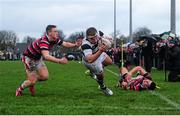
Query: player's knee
[(30, 82), (27, 82), (99, 72), (43, 77), (100, 75), (110, 61), (33, 82), (138, 67), (123, 70), (107, 61)]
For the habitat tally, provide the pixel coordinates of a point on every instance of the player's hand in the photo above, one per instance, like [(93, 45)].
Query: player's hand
[(63, 61), (102, 47)]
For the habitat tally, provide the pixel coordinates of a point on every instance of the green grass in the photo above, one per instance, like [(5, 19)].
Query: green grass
[(68, 91)]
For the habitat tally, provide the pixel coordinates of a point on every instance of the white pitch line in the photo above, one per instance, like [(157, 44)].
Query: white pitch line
[(170, 102), (112, 72)]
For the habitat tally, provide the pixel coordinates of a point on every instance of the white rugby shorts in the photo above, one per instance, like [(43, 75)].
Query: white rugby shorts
[(96, 67)]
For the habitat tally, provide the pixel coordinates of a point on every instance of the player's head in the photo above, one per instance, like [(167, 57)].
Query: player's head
[(148, 84), (92, 35), (124, 85), (152, 86), (52, 32)]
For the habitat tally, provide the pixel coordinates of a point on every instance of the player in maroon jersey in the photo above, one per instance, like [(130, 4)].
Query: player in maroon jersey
[(33, 57), (143, 81)]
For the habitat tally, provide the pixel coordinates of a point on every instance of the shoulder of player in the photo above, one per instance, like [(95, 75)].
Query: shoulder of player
[(59, 40), (44, 39), (86, 45)]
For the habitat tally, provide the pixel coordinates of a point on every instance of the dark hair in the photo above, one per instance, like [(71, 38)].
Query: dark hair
[(152, 86), (80, 36), (49, 27), (91, 31), (101, 33)]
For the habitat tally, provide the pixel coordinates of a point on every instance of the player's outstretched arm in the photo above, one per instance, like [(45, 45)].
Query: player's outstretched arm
[(45, 54), (70, 45)]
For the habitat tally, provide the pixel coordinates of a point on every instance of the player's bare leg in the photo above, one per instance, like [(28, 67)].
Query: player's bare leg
[(43, 73), (136, 69), (107, 61), (141, 70), (29, 82), (42, 76), (124, 72)]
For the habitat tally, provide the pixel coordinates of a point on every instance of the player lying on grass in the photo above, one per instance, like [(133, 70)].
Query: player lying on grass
[(143, 81), (33, 57), (94, 57)]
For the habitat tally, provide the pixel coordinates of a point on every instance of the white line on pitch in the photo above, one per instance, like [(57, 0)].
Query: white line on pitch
[(176, 105), (112, 72)]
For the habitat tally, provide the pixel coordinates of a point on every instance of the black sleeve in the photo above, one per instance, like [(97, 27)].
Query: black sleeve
[(85, 46)]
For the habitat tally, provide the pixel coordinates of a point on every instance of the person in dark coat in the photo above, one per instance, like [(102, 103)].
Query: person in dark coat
[(147, 43), (173, 62)]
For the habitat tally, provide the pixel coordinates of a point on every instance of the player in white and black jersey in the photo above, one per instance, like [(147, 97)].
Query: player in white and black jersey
[(95, 58)]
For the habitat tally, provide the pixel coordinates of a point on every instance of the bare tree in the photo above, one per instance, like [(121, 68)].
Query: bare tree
[(7, 40), (28, 39), (61, 34), (118, 34), (74, 36), (141, 31)]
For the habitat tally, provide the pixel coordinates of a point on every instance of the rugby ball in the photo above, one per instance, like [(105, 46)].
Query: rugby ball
[(106, 42)]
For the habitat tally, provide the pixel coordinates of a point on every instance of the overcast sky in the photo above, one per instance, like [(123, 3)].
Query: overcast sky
[(30, 17)]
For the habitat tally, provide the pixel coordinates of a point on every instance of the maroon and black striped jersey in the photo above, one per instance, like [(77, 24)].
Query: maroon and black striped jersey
[(136, 83), (34, 49)]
